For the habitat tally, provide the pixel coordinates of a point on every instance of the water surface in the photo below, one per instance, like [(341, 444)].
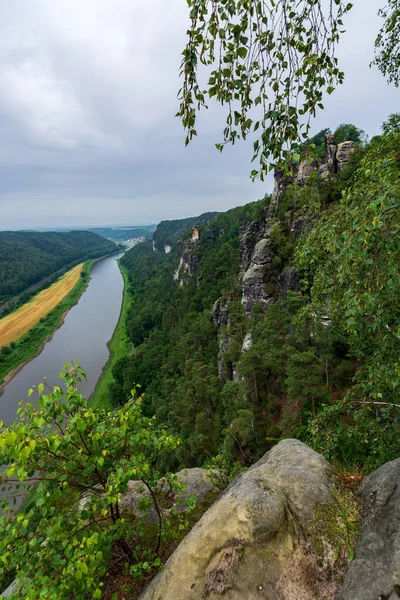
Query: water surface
[(84, 335)]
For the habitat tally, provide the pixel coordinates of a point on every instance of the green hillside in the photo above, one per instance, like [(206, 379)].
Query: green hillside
[(28, 257)]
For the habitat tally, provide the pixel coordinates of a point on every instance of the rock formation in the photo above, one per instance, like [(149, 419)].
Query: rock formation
[(375, 572), (279, 532), (189, 260), (343, 154), (282, 531), (263, 538), (260, 282)]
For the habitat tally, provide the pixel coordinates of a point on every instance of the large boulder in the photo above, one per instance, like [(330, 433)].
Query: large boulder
[(264, 538), (375, 572)]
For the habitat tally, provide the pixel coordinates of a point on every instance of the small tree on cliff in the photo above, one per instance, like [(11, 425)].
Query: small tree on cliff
[(62, 546)]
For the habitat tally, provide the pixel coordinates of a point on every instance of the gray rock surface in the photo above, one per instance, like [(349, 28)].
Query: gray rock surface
[(249, 544), (375, 572), (198, 482), (343, 154), (288, 281), (189, 261), (130, 503), (10, 590), (220, 312), (259, 270)]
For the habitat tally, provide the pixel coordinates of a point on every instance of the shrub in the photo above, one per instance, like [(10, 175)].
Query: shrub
[(58, 547)]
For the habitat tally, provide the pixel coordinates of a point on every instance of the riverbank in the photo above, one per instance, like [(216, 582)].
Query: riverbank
[(119, 347), (18, 323), (31, 344), (27, 295)]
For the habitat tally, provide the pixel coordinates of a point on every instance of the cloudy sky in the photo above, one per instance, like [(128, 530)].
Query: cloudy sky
[(87, 104)]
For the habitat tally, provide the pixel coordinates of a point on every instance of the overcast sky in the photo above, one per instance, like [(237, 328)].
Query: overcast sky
[(87, 104)]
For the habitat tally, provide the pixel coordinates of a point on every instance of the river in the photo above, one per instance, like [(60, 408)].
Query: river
[(87, 328)]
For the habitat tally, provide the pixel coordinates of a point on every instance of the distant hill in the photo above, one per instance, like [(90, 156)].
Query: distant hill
[(121, 234), (169, 232), (26, 257)]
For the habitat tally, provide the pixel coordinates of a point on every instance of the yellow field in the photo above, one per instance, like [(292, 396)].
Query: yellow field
[(22, 320)]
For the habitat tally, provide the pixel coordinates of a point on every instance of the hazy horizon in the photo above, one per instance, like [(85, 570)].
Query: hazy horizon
[(87, 105)]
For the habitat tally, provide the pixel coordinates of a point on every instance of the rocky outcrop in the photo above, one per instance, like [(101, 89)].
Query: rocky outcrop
[(189, 260), (10, 590), (259, 275), (261, 284), (263, 539), (343, 155), (220, 312), (288, 280), (220, 318), (198, 483), (326, 166), (282, 531), (256, 255), (375, 572)]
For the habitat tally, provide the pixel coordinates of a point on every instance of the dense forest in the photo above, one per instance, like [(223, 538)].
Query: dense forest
[(169, 232), (28, 257), (277, 319), (232, 380)]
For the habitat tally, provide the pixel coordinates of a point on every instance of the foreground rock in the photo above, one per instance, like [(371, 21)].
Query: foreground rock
[(267, 537), (375, 572), (198, 484)]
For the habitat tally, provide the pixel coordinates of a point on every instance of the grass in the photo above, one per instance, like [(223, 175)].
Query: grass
[(18, 323), (119, 347), (30, 344)]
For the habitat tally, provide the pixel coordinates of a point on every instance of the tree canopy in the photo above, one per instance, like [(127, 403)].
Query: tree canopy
[(392, 124), (348, 132), (387, 44), (73, 529), (270, 64)]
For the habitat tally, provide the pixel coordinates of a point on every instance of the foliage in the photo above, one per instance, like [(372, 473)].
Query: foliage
[(175, 341), (348, 132), (169, 232), (366, 435), (318, 143), (279, 56), (387, 45), (64, 545), (258, 395), (26, 257), (349, 264), (350, 267), (392, 124), (234, 400)]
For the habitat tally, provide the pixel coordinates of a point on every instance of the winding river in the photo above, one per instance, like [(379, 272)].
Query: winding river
[(87, 328)]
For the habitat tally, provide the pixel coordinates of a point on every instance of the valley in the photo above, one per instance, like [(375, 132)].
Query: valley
[(83, 336), (18, 323)]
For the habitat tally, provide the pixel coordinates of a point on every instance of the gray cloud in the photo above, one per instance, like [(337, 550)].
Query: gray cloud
[(87, 105)]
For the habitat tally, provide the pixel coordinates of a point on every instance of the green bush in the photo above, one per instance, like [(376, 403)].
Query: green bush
[(62, 546)]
